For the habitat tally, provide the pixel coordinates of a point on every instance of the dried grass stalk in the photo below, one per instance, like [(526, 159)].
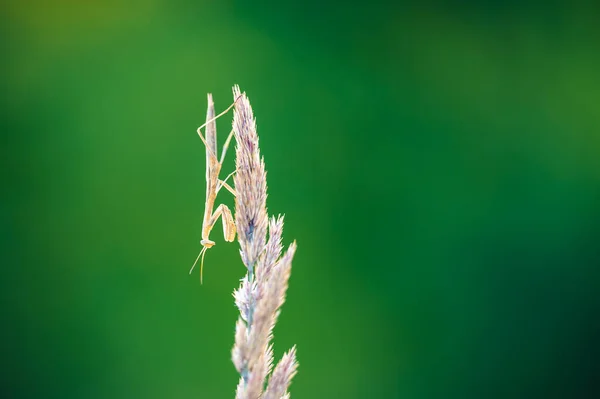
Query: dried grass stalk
[(262, 291)]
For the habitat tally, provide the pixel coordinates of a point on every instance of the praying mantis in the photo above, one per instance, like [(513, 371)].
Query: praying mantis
[(214, 184)]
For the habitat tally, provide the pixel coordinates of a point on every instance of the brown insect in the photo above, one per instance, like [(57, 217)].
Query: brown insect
[(214, 184)]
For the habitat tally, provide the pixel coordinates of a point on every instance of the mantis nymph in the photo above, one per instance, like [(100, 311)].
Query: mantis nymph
[(214, 184)]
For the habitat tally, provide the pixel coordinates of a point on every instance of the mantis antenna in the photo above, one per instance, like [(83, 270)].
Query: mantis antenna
[(201, 254)]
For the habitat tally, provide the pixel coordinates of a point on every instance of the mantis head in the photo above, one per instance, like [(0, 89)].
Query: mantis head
[(207, 243)]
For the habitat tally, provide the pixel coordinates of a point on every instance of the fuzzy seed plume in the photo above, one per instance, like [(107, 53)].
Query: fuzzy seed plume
[(273, 248), (250, 183), (282, 376)]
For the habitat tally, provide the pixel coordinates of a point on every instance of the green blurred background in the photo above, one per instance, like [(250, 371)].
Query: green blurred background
[(439, 167)]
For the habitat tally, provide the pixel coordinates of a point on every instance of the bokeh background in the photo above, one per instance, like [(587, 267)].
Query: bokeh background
[(437, 164)]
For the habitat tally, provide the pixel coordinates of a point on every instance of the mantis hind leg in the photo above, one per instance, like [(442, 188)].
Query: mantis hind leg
[(223, 183), (226, 146), (227, 186)]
